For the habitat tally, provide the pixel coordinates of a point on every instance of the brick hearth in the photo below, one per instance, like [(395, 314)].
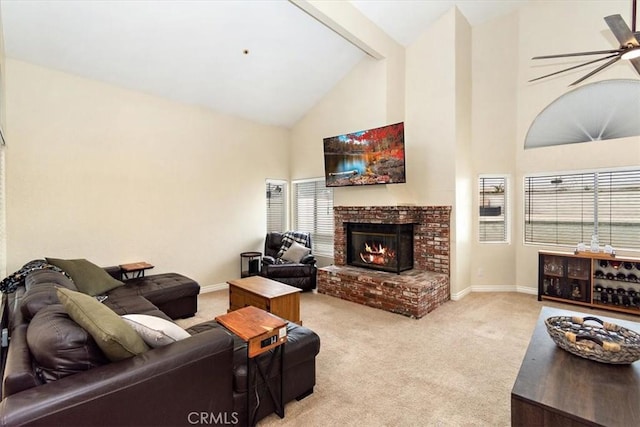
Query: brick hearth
[(412, 293)]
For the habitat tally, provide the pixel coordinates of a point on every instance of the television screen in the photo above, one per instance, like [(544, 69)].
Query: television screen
[(374, 156)]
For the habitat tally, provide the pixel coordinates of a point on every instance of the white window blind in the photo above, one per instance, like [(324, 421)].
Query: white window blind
[(276, 206), (568, 209), (619, 208), (313, 212), (493, 216)]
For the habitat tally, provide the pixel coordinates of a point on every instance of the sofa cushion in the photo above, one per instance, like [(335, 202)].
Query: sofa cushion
[(38, 298), (288, 270), (60, 346), (133, 304), (88, 277), (48, 277), (158, 288), (10, 283), (295, 252), (156, 332), (114, 336), (40, 291)]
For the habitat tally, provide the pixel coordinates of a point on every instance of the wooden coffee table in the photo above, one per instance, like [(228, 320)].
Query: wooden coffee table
[(266, 294), (557, 388)]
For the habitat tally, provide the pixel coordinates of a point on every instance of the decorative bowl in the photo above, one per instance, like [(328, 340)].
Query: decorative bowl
[(604, 342)]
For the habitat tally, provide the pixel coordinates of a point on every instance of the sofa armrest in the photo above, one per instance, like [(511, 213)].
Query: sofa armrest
[(114, 271), (308, 259), (163, 386), (268, 260)]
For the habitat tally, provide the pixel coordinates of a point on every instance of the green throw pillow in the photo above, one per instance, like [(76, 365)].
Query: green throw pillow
[(88, 277), (114, 336)]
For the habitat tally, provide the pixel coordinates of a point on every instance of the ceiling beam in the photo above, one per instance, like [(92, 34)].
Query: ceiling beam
[(346, 21)]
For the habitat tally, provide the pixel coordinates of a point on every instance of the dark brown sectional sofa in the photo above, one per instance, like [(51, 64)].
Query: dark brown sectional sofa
[(201, 378)]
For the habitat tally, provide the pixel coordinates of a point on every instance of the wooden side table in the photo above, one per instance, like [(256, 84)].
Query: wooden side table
[(262, 332), (135, 269), (250, 263)]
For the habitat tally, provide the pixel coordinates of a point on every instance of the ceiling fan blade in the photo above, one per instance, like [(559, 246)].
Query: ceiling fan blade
[(622, 32), (636, 64), (566, 55), (574, 67), (600, 68)]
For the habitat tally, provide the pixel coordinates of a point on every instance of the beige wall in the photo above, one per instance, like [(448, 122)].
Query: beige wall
[(463, 213), (114, 176), (505, 105), (430, 124), (588, 31), (438, 117), (493, 149)]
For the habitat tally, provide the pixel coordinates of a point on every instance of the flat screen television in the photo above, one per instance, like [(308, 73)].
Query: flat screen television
[(367, 157)]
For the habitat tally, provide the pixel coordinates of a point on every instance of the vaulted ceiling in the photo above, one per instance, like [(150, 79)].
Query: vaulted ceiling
[(267, 61)]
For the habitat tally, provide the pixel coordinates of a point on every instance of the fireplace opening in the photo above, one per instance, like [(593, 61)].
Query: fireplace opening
[(386, 247)]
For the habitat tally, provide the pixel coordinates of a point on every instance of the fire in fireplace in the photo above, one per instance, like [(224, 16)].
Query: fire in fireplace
[(387, 247)]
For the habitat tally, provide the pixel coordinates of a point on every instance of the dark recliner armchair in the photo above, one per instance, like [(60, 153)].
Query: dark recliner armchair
[(288, 259)]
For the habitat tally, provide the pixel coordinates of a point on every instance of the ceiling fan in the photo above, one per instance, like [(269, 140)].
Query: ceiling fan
[(629, 49)]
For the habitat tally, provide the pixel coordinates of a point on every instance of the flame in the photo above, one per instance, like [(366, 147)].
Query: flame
[(377, 254)]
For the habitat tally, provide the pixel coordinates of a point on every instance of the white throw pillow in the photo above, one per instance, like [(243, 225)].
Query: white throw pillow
[(155, 331), (295, 252)]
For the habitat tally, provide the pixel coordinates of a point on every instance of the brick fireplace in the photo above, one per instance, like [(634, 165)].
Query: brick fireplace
[(412, 293)]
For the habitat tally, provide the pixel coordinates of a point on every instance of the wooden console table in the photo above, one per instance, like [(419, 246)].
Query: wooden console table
[(266, 294), (262, 332), (557, 388)]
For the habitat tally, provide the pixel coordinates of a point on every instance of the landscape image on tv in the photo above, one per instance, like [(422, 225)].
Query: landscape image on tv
[(374, 156)]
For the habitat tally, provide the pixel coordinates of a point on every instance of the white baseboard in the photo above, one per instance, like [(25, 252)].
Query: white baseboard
[(455, 297), (459, 295), (527, 290), (494, 288), (213, 288)]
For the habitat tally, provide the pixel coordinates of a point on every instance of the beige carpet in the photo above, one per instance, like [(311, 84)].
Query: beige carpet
[(454, 367)]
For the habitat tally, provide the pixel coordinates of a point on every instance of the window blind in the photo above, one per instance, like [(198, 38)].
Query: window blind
[(568, 209), (313, 212), (493, 215), (276, 213), (619, 208)]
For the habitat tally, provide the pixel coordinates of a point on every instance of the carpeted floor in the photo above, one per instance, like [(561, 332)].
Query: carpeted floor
[(454, 367)]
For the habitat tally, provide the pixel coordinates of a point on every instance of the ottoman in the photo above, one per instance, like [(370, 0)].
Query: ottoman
[(174, 294)]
